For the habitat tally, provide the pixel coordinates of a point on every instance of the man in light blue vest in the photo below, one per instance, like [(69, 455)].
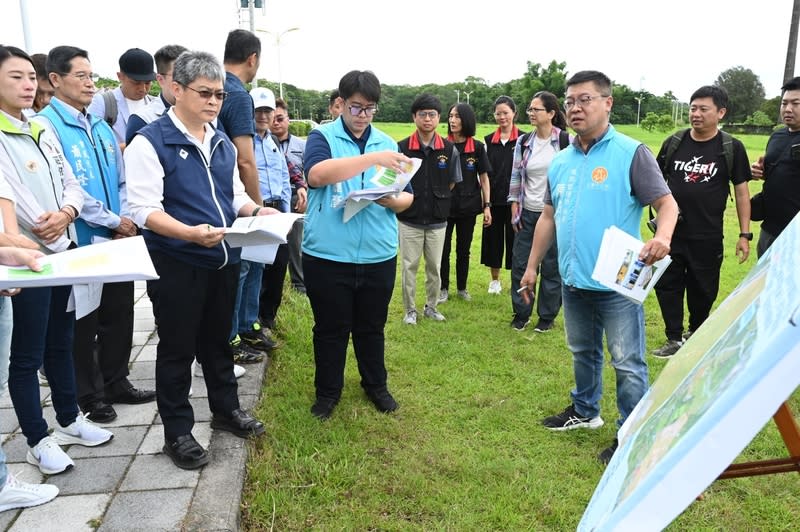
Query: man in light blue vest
[(604, 178), (92, 150)]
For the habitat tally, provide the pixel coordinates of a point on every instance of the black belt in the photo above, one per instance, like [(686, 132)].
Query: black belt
[(275, 204)]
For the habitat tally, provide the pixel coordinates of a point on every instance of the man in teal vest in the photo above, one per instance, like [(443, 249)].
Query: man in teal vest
[(94, 155), (604, 178)]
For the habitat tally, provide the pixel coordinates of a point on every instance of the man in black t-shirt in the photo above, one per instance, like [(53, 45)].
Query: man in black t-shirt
[(780, 169), (698, 176)]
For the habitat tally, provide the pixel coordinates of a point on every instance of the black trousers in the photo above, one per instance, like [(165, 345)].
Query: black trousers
[(194, 310), (101, 347), (464, 228), (694, 271), (272, 286), (498, 239), (348, 299)]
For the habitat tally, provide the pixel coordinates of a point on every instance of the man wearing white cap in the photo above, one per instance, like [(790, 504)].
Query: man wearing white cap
[(273, 178)]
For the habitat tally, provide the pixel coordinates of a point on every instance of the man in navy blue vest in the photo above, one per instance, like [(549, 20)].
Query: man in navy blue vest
[(184, 189), (101, 365)]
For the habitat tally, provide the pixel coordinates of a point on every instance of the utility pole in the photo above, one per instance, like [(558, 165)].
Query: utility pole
[(458, 95), (26, 32), (791, 52), (468, 93)]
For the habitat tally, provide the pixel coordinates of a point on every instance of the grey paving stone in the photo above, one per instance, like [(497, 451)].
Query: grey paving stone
[(134, 511), (63, 514), (146, 354), (216, 503), (140, 338), (125, 443), (145, 323), (15, 448), (156, 471), (8, 420), (143, 370), (133, 415), (92, 475)]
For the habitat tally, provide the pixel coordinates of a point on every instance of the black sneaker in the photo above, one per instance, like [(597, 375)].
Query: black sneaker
[(669, 348), (608, 452), (323, 407), (519, 324), (543, 326), (382, 400), (569, 419), (258, 339), (244, 354)]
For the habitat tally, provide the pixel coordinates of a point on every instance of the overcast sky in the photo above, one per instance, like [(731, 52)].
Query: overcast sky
[(675, 45)]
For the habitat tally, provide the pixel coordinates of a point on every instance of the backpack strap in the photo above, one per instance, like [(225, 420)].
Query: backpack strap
[(110, 104), (563, 139), (727, 150), (669, 150)]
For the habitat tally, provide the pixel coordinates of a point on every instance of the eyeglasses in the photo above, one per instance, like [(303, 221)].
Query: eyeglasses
[(427, 114), (582, 101), (531, 110), (83, 77), (356, 110), (207, 94)]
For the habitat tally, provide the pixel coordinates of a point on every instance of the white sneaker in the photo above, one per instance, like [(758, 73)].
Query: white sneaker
[(82, 432), (495, 287), (410, 318), (42, 378), (49, 457), (18, 494), (444, 295), (238, 371), (463, 294), (433, 314)]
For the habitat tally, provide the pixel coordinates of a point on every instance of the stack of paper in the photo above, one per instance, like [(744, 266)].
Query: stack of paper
[(260, 236), (387, 182), (618, 266)]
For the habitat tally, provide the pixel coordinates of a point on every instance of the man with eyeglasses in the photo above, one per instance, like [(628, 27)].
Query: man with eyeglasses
[(135, 77), (602, 179), (292, 147), (184, 188), (350, 267), (423, 225), (780, 169), (103, 337)]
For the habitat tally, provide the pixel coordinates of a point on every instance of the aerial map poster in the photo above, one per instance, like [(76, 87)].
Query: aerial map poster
[(709, 401)]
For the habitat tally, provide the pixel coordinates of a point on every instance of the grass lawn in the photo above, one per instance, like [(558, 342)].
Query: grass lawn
[(466, 450)]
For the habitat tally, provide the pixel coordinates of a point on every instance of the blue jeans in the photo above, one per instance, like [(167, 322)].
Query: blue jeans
[(548, 295), (245, 310), (587, 315), (43, 333)]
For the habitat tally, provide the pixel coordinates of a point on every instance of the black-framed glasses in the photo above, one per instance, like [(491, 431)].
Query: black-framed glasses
[(207, 94), (531, 110), (582, 101), (356, 110), (83, 77)]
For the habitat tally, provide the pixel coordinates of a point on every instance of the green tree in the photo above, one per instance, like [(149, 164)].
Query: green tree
[(759, 118), (745, 92), (772, 108)]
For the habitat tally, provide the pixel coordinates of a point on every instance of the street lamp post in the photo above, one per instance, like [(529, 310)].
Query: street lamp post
[(468, 93), (458, 95), (278, 37), (639, 100)]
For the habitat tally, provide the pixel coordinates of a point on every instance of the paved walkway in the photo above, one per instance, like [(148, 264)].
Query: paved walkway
[(129, 484)]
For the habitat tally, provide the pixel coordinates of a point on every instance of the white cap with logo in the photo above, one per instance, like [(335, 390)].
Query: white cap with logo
[(262, 98)]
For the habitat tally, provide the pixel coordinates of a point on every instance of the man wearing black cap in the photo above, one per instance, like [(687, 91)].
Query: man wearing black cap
[(136, 74)]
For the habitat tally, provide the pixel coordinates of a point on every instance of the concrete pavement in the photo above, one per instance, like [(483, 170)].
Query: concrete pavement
[(129, 484)]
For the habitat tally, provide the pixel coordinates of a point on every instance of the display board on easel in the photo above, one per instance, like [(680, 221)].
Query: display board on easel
[(732, 376)]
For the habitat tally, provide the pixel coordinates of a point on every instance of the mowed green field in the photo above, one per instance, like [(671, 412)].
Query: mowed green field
[(466, 450)]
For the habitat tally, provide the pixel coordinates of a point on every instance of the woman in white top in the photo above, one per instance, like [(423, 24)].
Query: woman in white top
[(532, 157)]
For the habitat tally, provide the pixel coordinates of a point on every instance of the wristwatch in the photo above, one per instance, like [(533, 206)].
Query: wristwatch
[(487, 204), (748, 236)]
